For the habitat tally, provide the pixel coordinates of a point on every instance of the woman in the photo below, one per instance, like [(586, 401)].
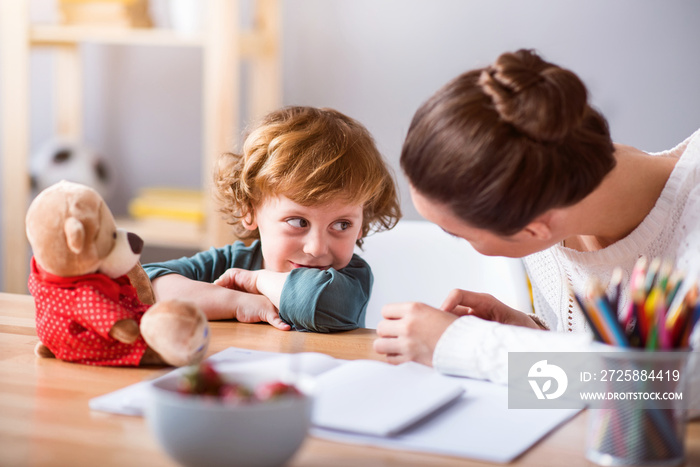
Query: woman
[(513, 159)]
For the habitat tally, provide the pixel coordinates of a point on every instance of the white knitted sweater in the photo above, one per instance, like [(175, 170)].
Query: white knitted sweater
[(479, 349), (671, 230)]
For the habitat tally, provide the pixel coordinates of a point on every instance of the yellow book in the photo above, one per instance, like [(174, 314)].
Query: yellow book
[(125, 2), (123, 13), (168, 203)]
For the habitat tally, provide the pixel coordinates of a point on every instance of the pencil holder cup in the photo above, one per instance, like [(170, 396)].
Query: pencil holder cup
[(642, 418)]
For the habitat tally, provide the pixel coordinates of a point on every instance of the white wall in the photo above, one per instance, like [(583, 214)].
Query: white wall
[(377, 60)]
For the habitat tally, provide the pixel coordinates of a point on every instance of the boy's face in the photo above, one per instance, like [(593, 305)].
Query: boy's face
[(294, 236)]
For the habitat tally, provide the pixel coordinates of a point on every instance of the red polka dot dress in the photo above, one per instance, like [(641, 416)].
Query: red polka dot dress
[(74, 316)]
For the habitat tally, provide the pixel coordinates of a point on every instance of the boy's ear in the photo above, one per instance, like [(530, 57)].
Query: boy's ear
[(249, 221)]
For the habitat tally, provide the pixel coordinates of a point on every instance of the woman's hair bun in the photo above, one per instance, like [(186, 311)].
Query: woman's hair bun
[(540, 99)]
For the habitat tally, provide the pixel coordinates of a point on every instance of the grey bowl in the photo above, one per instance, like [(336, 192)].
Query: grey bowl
[(200, 432)]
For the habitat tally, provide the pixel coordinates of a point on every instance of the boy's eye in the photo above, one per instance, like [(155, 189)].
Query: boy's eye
[(341, 225), (298, 222)]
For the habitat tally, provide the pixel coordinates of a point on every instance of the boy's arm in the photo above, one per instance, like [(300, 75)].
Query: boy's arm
[(311, 299), (268, 283), (190, 279), (219, 302), (204, 266), (326, 301), (271, 284)]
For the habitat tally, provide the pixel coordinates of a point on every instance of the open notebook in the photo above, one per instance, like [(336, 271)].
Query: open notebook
[(409, 407), (374, 398)]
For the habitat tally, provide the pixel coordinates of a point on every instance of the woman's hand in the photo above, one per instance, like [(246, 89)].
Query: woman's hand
[(410, 332), (462, 302)]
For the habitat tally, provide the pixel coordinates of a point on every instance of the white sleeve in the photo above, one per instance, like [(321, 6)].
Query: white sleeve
[(478, 349)]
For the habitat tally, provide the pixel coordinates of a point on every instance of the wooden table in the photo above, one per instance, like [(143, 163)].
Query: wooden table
[(45, 419)]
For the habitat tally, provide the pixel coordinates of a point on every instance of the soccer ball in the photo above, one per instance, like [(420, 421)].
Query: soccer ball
[(64, 159)]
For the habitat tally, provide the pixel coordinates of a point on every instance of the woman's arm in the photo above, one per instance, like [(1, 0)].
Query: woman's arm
[(463, 302), (411, 331), (463, 346)]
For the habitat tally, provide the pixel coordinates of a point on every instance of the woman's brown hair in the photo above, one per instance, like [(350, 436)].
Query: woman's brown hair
[(503, 144), (311, 156)]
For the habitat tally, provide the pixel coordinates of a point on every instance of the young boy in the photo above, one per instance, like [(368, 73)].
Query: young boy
[(309, 186)]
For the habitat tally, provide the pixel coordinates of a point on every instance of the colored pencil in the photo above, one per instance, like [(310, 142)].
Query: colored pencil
[(656, 317), (652, 272), (661, 313), (616, 289), (601, 307), (592, 322)]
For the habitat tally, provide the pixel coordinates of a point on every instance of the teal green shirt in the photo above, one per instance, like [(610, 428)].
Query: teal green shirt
[(312, 299)]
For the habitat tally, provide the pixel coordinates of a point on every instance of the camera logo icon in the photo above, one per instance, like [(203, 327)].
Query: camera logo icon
[(546, 373)]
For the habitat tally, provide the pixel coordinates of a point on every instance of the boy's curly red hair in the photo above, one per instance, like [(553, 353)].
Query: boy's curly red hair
[(311, 156)]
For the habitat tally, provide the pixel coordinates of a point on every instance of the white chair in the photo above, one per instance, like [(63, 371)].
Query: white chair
[(417, 261)]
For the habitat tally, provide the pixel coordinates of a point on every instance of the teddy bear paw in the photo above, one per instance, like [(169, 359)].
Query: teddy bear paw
[(177, 330)]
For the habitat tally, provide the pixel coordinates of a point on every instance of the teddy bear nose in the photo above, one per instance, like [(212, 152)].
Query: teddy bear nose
[(135, 242)]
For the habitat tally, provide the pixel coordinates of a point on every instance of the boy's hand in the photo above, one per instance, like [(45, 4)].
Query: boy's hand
[(252, 308), (239, 279), (268, 283), (462, 302)]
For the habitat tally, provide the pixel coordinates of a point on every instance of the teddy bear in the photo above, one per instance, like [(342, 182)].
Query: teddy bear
[(94, 303)]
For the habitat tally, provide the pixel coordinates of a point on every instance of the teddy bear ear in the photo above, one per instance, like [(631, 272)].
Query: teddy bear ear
[(75, 234)]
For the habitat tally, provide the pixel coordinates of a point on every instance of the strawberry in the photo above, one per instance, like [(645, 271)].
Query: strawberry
[(274, 390), (201, 379), (234, 393)]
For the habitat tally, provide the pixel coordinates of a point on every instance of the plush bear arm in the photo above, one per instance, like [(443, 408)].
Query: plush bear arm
[(40, 350), (125, 331), (151, 357), (140, 281)]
